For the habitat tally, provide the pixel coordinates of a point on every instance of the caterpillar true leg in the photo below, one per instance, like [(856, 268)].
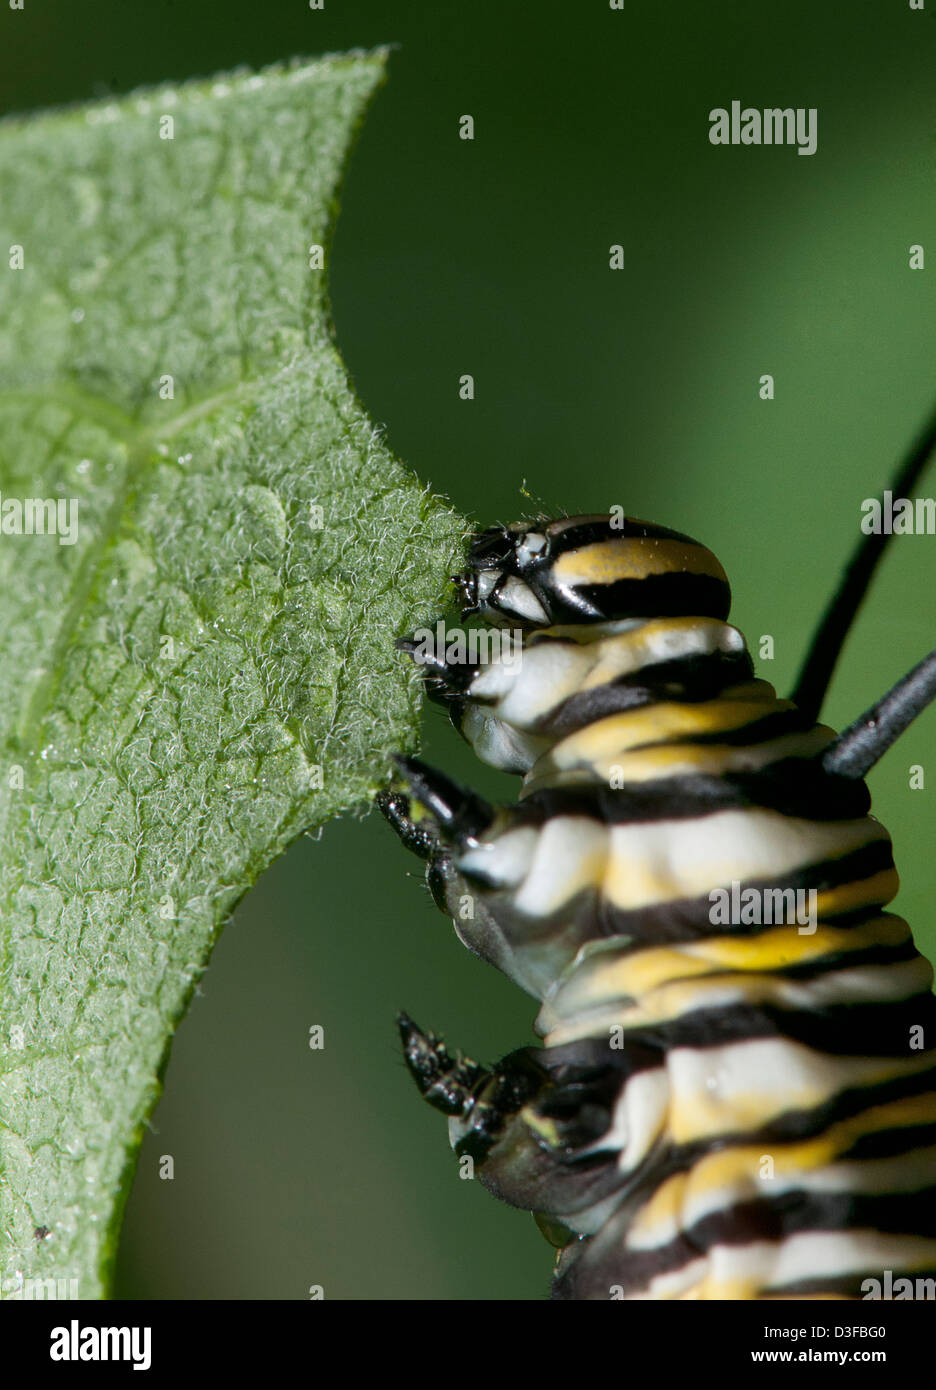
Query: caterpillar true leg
[(534, 1122), (457, 812), (447, 1083)]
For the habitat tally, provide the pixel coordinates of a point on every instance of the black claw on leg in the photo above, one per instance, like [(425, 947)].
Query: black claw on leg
[(395, 808), (459, 813), (445, 680), (447, 1083), (484, 1099)]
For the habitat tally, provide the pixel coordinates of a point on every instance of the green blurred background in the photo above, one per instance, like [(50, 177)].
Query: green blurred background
[(639, 387)]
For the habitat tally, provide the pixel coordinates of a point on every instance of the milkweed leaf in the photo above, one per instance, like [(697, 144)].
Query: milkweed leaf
[(196, 656)]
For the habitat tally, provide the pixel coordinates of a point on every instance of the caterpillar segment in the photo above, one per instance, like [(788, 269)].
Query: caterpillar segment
[(727, 1104)]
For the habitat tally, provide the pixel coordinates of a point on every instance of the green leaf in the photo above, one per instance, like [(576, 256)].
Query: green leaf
[(199, 673)]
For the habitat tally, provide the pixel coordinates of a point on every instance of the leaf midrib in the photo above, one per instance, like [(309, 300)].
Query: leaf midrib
[(140, 443)]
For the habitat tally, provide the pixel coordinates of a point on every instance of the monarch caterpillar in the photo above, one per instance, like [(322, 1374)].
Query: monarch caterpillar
[(722, 1108)]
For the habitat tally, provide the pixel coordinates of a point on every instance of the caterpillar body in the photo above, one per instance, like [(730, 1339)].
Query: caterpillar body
[(732, 1104)]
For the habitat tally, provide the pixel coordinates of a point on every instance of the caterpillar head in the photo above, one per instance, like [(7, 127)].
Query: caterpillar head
[(593, 569)]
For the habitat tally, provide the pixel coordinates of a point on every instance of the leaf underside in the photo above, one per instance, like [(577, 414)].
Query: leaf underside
[(171, 683)]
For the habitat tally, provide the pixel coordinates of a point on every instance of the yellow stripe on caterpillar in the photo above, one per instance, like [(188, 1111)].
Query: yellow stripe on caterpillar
[(636, 557)]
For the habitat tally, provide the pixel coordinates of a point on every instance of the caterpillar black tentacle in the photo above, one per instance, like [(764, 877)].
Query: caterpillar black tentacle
[(829, 638), (724, 1106), (856, 750)]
